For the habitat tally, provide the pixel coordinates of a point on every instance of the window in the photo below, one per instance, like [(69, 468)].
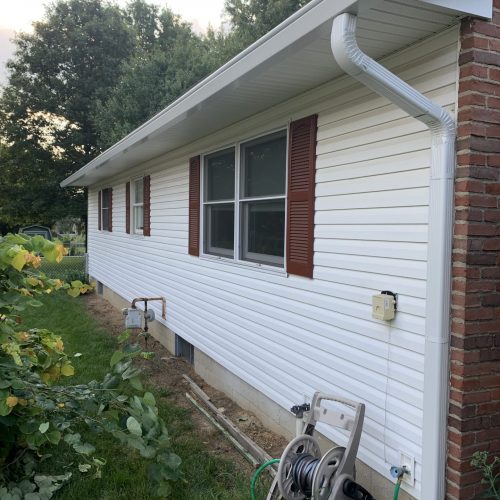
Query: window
[(138, 206), (262, 199), (219, 203), (105, 199), (244, 201), (251, 201)]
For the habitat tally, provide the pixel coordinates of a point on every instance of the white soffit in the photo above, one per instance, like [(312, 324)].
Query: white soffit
[(291, 59), (477, 8)]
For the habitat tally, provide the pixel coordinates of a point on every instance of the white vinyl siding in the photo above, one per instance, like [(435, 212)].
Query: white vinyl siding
[(289, 336)]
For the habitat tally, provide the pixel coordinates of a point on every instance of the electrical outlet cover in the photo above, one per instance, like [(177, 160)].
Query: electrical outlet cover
[(408, 461)]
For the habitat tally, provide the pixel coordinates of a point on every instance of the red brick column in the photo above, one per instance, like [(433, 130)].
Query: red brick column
[(474, 410)]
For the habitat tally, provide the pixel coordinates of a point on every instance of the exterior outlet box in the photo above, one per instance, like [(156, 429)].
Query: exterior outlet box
[(133, 318), (383, 306)]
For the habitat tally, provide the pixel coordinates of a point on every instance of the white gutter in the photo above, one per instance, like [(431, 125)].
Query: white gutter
[(437, 325)]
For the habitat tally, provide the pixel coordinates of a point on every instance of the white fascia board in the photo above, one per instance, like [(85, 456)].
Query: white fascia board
[(312, 15), (476, 8)]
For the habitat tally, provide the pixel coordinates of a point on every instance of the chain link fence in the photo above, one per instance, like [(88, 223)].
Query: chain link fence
[(69, 269)]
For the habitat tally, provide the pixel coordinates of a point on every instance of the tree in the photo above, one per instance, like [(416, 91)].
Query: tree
[(72, 58), (89, 74), (252, 19), (169, 60)]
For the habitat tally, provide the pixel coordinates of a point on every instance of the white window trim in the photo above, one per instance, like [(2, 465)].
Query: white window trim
[(236, 259), (103, 209), (133, 205)]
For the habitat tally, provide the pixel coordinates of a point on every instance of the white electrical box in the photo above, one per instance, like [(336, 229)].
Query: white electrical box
[(133, 318), (383, 306)]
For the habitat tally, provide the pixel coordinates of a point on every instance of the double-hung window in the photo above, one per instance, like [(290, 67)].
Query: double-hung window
[(138, 206), (105, 212), (244, 199)]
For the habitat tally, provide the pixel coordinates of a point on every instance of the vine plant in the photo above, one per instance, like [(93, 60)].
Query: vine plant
[(490, 470), (37, 413)]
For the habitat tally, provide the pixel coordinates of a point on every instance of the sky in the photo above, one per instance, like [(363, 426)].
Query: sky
[(17, 15)]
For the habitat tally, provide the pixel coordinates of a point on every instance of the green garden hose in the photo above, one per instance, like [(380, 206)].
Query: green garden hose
[(396, 488), (257, 474)]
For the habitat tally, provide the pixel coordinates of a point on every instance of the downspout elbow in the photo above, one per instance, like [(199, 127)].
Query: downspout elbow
[(362, 67)]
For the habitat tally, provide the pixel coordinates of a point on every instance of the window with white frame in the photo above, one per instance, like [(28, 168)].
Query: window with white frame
[(244, 199), (105, 208), (138, 205)]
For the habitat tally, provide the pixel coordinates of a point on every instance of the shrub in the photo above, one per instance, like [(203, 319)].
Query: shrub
[(36, 414), (490, 469)]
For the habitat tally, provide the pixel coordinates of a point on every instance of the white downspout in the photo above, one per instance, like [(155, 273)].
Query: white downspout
[(437, 325)]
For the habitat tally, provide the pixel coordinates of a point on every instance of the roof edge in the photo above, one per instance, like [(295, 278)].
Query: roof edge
[(141, 132)]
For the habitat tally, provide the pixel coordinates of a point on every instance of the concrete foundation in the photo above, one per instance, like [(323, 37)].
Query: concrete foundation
[(272, 416)]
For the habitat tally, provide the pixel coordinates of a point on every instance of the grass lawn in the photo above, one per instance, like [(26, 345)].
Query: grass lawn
[(124, 477)]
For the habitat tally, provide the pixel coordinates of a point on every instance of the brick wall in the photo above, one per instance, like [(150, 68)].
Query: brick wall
[(474, 410)]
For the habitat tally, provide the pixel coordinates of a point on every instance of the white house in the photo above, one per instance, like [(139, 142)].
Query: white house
[(270, 203)]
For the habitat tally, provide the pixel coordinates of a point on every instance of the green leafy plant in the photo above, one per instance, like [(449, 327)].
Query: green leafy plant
[(37, 413), (490, 469)]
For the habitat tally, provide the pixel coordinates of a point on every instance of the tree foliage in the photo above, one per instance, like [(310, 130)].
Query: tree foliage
[(91, 72), (169, 60), (252, 19)]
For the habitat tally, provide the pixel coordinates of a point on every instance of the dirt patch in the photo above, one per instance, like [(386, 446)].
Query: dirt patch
[(165, 371)]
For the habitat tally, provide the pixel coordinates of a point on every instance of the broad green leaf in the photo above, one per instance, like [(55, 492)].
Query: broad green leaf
[(148, 452), (28, 427), (111, 382), (123, 336), (131, 349), (34, 303), (74, 292), (4, 408), (117, 356), (133, 426), (67, 370), (149, 399), (173, 461), (33, 496), (4, 383), (53, 436), (84, 449), (18, 261), (130, 372), (44, 427), (135, 382)]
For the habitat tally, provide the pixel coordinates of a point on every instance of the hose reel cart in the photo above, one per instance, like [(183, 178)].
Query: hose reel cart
[(304, 473)]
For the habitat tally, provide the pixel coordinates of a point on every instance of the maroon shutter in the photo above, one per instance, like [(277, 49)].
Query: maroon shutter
[(147, 206), (110, 210), (127, 207), (99, 215), (301, 183), (194, 206)]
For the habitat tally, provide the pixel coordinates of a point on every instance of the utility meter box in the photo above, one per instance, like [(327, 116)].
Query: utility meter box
[(133, 318), (383, 306)]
